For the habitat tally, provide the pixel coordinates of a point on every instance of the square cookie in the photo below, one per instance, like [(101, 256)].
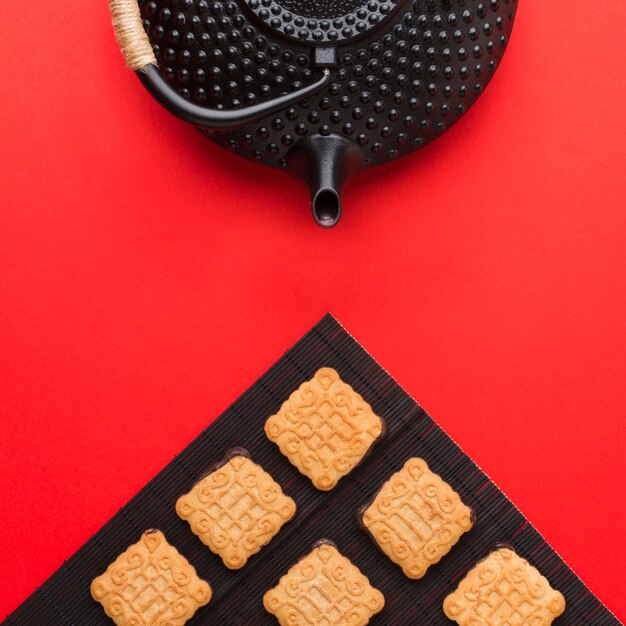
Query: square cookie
[(325, 589), (504, 590), (236, 510), (416, 518), (325, 428), (150, 583)]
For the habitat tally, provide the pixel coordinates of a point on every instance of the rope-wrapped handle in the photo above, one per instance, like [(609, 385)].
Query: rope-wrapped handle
[(140, 57), (131, 35)]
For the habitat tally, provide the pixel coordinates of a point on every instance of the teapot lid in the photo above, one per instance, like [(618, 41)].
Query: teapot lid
[(323, 22)]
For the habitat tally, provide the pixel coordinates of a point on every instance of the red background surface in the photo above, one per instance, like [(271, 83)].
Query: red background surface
[(147, 278)]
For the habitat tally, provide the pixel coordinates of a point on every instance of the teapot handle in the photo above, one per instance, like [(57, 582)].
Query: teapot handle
[(140, 57)]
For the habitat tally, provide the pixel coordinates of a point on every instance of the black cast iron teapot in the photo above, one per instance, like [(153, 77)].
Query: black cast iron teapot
[(320, 88)]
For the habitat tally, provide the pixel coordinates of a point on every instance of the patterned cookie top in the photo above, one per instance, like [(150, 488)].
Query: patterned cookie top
[(325, 428), (416, 518), (236, 510), (324, 589), (151, 584), (501, 590)]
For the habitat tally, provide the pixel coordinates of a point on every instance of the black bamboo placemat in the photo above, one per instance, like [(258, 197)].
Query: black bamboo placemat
[(65, 598)]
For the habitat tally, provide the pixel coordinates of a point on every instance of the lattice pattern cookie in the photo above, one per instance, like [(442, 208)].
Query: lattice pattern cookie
[(150, 584), (416, 518), (324, 589), (504, 590), (325, 428), (236, 510)]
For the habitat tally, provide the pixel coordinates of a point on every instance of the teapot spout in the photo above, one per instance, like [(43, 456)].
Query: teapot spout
[(325, 164)]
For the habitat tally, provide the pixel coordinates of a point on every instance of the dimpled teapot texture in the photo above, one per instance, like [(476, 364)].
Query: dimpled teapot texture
[(402, 72)]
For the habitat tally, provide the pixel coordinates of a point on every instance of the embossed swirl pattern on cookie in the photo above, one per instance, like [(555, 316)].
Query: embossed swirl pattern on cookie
[(325, 428), (150, 583), (416, 518), (324, 589), (501, 590), (236, 510)]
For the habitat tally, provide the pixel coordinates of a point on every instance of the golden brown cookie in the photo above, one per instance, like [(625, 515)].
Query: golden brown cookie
[(504, 589), (416, 518), (325, 428), (324, 588), (151, 583), (236, 510)]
